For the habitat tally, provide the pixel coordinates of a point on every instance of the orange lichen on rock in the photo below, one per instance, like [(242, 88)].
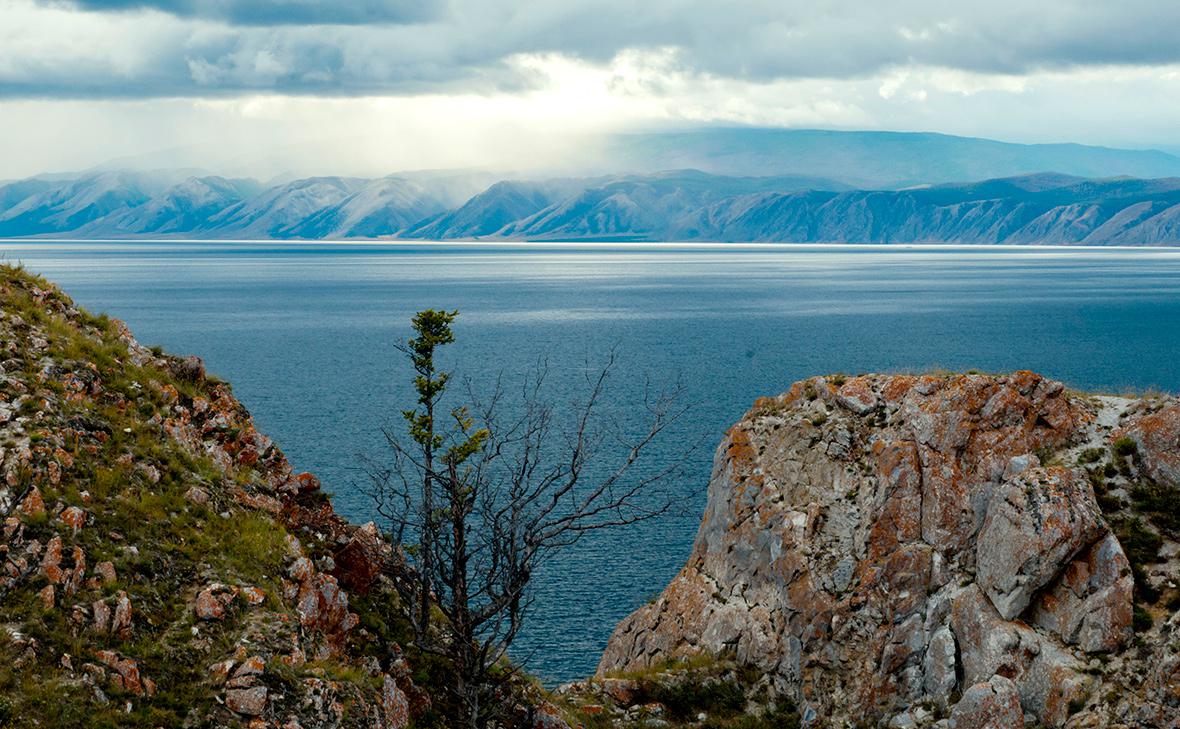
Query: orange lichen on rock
[(876, 542)]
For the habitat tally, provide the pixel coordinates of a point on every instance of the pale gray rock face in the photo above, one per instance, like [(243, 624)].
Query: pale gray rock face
[(1035, 524), (993, 704), (940, 665), (875, 543), (1046, 675), (1090, 604)]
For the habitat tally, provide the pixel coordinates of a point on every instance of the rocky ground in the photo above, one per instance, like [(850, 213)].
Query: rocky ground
[(960, 550), (162, 565)]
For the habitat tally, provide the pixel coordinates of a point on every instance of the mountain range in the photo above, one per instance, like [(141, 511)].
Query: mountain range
[(1136, 203), (873, 160)]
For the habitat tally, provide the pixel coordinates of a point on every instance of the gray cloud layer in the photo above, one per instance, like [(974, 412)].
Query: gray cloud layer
[(153, 48), (274, 12)]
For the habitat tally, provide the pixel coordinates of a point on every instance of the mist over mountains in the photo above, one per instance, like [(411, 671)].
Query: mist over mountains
[(870, 159), (756, 186)]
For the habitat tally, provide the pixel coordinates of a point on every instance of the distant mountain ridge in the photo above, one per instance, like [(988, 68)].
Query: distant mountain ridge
[(867, 159), (680, 205)]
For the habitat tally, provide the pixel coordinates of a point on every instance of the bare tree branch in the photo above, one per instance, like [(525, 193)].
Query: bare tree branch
[(481, 501)]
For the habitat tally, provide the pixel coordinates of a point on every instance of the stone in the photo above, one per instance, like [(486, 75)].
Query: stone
[(73, 579), (940, 664), (857, 395), (252, 666), (395, 707), (121, 621), (357, 563), (1047, 677), (306, 482), (197, 495), (253, 595), (73, 517), (219, 671), (548, 716), (1035, 524), (126, 670), (33, 504), (301, 569), (211, 602), (189, 369), (322, 606), (622, 691), (246, 701), (1091, 604), (47, 596), (993, 704), (51, 561), (1157, 440), (847, 560), (106, 571), (247, 672), (101, 613)]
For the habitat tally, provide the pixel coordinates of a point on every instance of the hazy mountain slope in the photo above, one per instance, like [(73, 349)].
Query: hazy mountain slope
[(1045, 208), (71, 204), (181, 208), (379, 208), (15, 191), (280, 212), (1161, 228), (661, 206), (869, 159), (486, 213)]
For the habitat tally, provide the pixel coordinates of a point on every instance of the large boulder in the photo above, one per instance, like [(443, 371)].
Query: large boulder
[(1156, 434), (1035, 524), (1046, 676), (1090, 604), (992, 704)]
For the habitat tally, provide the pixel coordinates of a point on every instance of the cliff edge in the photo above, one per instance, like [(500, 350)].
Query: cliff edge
[(959, 550)]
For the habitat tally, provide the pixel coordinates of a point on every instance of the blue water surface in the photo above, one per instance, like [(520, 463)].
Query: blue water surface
[(306, 334)]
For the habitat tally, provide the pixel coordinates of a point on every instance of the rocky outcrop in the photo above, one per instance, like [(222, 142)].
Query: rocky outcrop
[(878, 544)]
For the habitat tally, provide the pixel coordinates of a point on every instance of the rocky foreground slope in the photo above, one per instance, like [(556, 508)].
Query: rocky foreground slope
[(971, 551), (163, 566)]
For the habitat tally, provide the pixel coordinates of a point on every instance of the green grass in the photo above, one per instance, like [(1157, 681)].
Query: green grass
[(1124, 447), (716, 686), (1161, 505)]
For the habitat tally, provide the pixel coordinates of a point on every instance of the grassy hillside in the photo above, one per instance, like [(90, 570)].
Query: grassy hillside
[(163, 565)]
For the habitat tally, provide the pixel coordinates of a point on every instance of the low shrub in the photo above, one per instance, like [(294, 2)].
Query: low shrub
[(1141, 620)]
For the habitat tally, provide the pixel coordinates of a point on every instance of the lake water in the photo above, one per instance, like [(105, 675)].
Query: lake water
[(305, 332)]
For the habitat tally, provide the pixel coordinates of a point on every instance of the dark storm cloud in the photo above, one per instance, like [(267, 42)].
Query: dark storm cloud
[(220, 47)]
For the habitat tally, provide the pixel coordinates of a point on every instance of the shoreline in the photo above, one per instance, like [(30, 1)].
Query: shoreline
[(581, 245)]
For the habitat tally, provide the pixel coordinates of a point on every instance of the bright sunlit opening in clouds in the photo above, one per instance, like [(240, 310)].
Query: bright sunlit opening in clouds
[(244, 88)]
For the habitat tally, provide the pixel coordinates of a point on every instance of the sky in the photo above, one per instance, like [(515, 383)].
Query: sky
[(376, 86)]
